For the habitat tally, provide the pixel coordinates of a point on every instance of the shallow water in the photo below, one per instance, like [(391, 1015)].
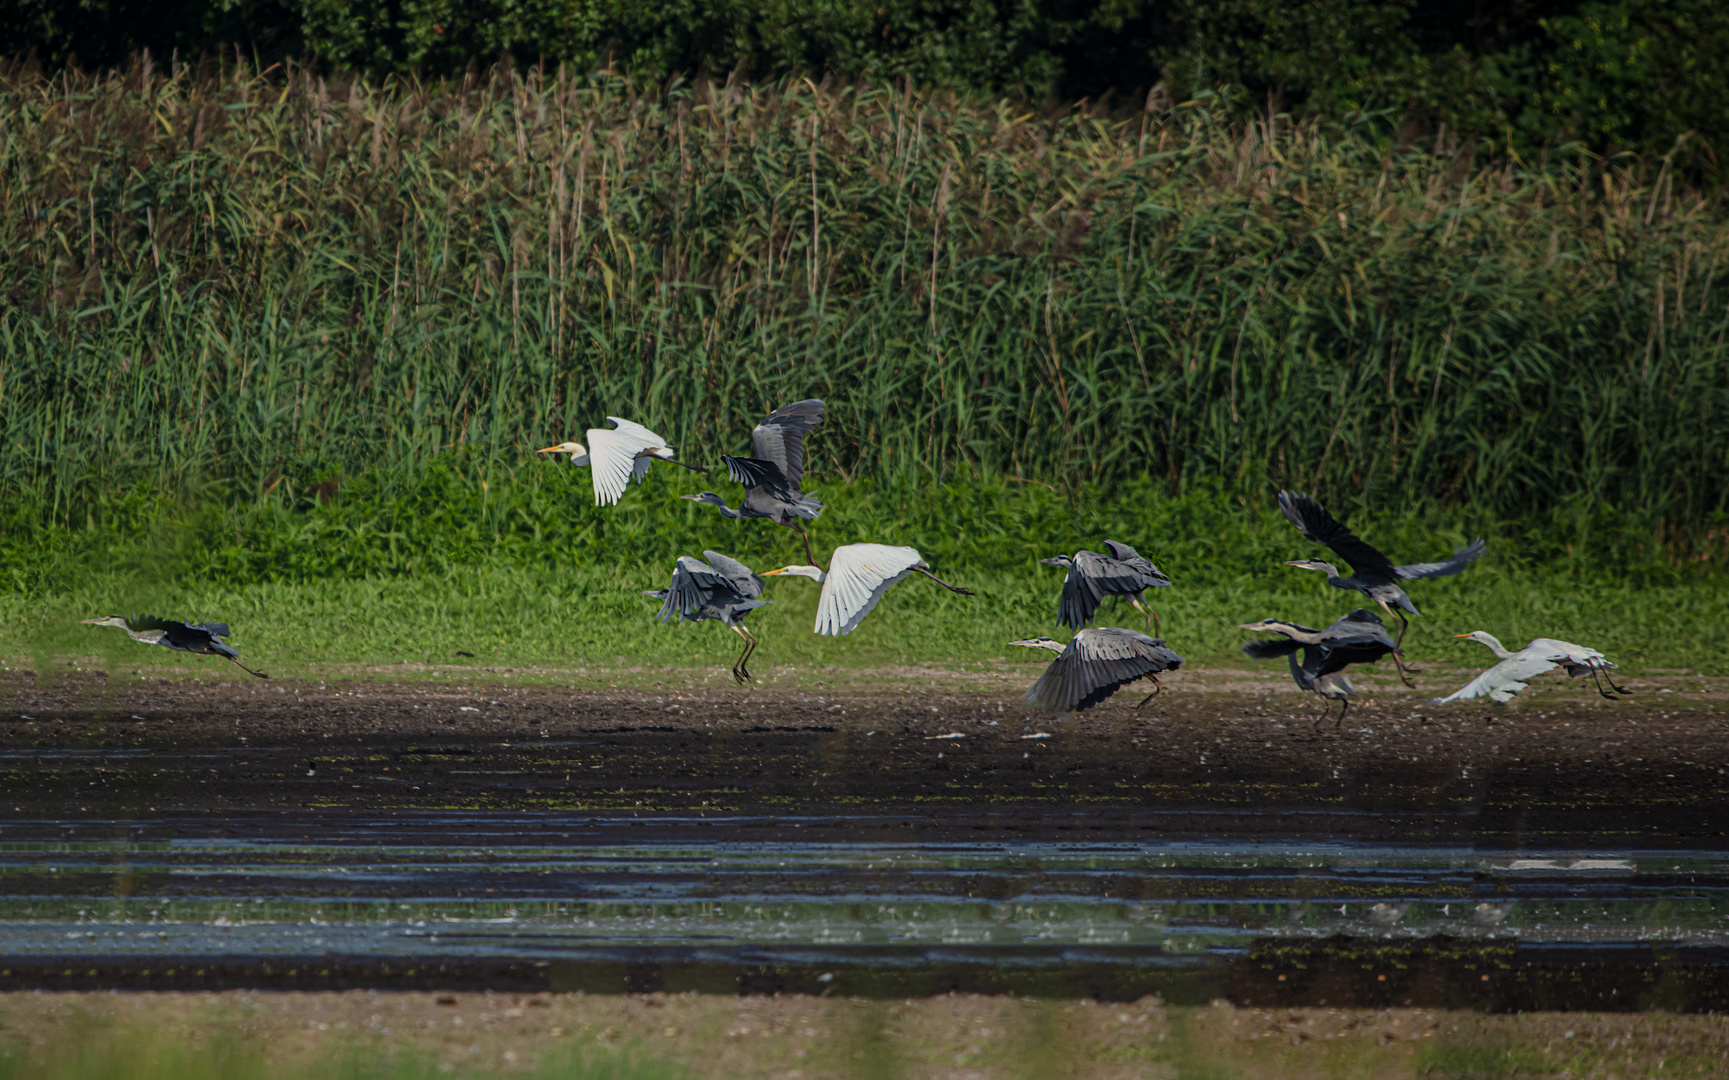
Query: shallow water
[(789, 860)]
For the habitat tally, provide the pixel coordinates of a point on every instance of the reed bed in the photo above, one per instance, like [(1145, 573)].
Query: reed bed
[(237, 286)]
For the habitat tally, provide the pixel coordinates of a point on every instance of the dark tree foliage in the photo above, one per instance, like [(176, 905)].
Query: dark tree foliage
[(1617, 75)]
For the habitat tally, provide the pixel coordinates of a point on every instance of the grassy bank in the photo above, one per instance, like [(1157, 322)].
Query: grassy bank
[(592, 620), (523, 571), (223, 285)]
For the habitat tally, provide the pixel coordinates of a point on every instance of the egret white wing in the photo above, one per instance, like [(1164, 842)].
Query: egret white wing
[(858, 576), (1569, 654), (634, 430), (612, 458), (1503, 680)]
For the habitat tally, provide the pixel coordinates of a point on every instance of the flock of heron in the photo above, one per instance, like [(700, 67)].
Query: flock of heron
[(1094, 664)]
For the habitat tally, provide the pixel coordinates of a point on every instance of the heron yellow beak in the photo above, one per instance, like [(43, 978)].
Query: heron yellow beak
[(549, 450), (1465, 635), (773, 573)]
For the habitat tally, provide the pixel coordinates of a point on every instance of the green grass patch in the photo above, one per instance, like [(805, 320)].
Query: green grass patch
[(574, 617)]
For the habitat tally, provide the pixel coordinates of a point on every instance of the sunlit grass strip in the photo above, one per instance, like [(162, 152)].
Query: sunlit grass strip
[(594, 619), (217, 277)]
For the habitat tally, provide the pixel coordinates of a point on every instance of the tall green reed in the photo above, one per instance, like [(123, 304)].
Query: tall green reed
[(226, 285)]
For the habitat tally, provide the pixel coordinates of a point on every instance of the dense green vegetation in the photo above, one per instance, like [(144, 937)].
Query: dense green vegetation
[(1617, 74), (262, 332), (231, 288)]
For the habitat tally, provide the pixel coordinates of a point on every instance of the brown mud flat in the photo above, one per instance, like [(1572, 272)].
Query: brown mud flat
[(1649, 771), (795, 1037)]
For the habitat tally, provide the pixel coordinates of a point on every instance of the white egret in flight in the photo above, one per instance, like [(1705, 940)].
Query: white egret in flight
[(617, 456), (857, 577), (1508, 677)]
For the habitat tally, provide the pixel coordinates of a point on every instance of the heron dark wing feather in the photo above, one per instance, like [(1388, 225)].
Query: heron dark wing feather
[(1313, 521), (1112, 577), (1462, 557), (1337, 658), (755, 472), (1137, 562), (1079, 601), (780, 437), (216, 629), (1269, 648), (694, 585), (153, 622), (743, 578)]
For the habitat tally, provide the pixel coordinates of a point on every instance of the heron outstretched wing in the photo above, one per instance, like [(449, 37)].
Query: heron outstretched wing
[(780, 437), (1359, 627), (1269, 648), (155, 622), (1502, 681), (1313, 521), (1095, 664), (1080, 598), (758, 473), (858, 576), (612, 458), (1140, 563), (214, 629), (743, 578), (1462, 557), (694, 584)]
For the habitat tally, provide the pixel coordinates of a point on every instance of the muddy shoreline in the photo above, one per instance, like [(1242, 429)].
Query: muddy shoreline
[(1654, 771)]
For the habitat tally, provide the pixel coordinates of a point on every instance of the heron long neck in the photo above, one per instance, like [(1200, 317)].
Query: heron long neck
[(1496, 647)]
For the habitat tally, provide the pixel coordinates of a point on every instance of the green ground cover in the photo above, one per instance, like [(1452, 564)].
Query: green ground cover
[(529, 573), (595, 620)]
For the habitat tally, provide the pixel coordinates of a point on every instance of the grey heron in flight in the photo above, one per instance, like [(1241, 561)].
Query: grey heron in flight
[(771, 478), (1096, 663), (1508, 677), (857, 577), (205, 637), (618, 455), (1092, 577), (1356, 638), (1374, 575), (721, 589)]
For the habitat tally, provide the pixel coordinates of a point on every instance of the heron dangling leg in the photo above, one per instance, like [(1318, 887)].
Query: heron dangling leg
[(1152, 616), (1326, 714), (944, 584), (1404, 672), (1404, 624), (739, 674), (686, 465), (248, 670), (1158, 688), (749, 652), (808, 557), (1340, 722)]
